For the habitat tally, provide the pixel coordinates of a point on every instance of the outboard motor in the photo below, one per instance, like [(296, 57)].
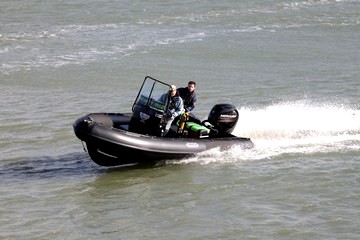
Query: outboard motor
[(223, 117)]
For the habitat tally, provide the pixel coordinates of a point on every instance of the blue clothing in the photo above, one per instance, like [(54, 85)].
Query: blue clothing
[(188, 97), (176, 104), (176, 107)]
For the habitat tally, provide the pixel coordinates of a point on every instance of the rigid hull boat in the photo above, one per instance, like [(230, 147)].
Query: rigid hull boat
[(138, 137)]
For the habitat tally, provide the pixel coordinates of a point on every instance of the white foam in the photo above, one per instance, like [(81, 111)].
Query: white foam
[(290, 128), (298, 120)]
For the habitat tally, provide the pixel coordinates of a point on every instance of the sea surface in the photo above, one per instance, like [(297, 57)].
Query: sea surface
[(292, 68)]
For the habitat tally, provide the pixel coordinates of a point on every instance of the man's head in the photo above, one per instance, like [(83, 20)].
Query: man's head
[(172, 90), (191, 86)]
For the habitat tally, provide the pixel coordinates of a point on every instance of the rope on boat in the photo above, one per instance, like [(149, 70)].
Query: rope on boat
[(82, 143)]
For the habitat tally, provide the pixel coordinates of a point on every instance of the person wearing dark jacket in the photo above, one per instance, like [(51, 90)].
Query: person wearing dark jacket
[(188, 95)]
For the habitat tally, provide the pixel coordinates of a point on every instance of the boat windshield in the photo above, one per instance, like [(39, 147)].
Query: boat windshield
[(151, 93)]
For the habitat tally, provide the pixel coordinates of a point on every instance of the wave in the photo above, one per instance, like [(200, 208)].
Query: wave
[(22, 169), (291, 129), (82, 44), (298, 120), (301, 127), (44, 45)]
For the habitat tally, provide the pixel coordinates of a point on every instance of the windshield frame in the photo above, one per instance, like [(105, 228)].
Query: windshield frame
[(150, 94)]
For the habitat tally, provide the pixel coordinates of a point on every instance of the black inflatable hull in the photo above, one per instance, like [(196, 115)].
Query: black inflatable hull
[(109, 143)]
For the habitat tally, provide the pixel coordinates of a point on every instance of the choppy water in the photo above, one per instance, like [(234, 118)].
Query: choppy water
[(291, 68)]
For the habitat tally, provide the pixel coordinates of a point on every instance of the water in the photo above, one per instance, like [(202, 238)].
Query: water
[(291, 68)]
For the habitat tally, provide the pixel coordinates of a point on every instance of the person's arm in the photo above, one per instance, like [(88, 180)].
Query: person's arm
[(179, 108), (191, 105)]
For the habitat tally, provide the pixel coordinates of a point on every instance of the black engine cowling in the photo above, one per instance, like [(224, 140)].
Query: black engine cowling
[(224, 118)]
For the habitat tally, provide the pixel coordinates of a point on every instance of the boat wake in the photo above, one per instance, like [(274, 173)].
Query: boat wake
[(294, 128)]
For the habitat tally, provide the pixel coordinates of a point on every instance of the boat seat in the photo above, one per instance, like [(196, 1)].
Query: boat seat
[(196, 130)]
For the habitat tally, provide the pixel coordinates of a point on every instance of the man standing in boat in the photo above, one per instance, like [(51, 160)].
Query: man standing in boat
[(176, 105), (188, 95)]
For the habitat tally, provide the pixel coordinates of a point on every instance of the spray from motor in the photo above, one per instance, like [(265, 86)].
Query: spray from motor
[(298, 120), (291, 128), (299, 127)]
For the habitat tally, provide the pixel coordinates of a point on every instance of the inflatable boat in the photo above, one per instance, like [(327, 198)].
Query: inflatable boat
[(138, 136)]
